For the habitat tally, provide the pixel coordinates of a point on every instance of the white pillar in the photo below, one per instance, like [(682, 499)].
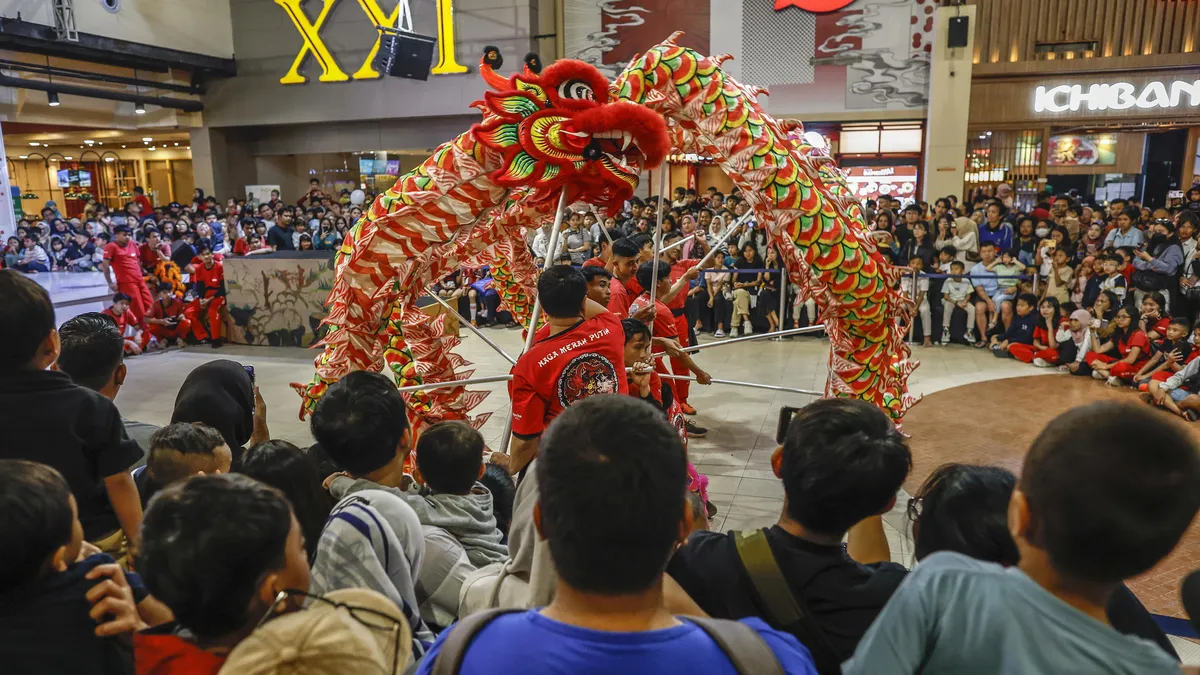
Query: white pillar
[(949, 107), (8, 217)]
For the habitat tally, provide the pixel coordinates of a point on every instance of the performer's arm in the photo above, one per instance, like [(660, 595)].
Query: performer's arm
[(681, 284), (521, 451)]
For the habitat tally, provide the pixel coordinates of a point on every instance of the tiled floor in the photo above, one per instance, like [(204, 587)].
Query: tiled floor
[(741, 422)]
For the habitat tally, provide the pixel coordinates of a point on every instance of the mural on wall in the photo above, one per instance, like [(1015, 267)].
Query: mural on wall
[(863, 56), (278, 302)]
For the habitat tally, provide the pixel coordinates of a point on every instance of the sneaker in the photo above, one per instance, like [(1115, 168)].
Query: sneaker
[(1064, 369), (695, 431), (687, 409), (945, 338), (216, 344), (1114, 381), (719, 333), (1099, 375), (1041, 363), (747, 329)]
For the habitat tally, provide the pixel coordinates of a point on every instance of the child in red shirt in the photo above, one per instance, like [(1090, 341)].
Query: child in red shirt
[(166, 319), (135, 338), (583, 354), (209, 281)]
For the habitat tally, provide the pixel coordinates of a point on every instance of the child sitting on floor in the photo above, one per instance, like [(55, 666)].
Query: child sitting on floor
[(1179, 393), (1171, 354), (1020, 331), (1124, 353), (136, 340), (1043, 353)]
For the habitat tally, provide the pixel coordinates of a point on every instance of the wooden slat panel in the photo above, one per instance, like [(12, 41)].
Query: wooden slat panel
[(1151, 27), (1190, 34), (1106, 22), (1133, 27)]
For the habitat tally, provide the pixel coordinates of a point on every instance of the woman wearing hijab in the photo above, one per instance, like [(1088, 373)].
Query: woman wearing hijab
[(222, 395)]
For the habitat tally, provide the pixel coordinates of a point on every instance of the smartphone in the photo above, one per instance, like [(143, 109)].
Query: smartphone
[(785, 420), (250, 372)]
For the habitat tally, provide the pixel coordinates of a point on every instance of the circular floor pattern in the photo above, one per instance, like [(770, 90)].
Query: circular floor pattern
[(994, 422)]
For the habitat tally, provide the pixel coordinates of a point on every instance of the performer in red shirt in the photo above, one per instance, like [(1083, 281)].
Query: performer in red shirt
[(582, 355), (623, 262), (209, 279), (167, 321), (122, 260), (139, 196), (135, 338), (152, 250), (682, 272), (665, 334)]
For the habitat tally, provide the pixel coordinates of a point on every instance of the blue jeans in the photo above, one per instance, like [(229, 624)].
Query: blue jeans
[(32, 267)]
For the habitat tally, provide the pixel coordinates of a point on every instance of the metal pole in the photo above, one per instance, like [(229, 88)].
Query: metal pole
[(752, 385), (792, 331), (783, 286), (912, 326), (1035, 283), (454, 383), (469, 326), (681, 242), (721, 239), (662, 199)]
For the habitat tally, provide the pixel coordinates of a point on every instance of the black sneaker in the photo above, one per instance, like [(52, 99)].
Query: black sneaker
[(695, 431), (218, 343)]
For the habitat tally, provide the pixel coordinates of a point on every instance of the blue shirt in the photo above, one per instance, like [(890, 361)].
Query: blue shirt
[(1002, 236), (1117, 239), (954, 614), (532, 644), (981, 276)]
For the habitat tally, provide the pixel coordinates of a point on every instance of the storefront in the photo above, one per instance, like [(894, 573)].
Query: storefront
[(307, 103), (1107, 105)]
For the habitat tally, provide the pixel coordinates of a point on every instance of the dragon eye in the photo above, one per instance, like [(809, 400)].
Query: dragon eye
[(576, 89)]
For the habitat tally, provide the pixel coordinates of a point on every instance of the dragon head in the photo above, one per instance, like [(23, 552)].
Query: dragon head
[(557, 129)]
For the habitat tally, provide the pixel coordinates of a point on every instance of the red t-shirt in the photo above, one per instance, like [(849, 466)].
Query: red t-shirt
[(1161, 325), (559, 370), (209, 279), (677, 271), (635, 288), (125, 261), (664, 323), (1041, 335), (240, 247), (594, 262), (619, 298), (173, 308), (149, 256), (122, 320), (1136, 339), (147, 207)]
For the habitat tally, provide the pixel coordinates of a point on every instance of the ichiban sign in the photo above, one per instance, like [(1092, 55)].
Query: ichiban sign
[(399, 16), (1117, 96)]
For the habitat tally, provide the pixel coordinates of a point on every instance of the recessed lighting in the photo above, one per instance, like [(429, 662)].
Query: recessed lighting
[(68, 157), (100, 143), (146, 139), (53, 98), (139, 109), (108, 159), (24, 157), (152, 148), (90, 142), (34, 143), (122, 147), (189, 147), (177, 144)]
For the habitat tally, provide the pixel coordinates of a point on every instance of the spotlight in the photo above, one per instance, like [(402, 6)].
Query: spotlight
[(34, 144), (52, 96), (24, 157), (68, 157), (139, 108), (146, 139)]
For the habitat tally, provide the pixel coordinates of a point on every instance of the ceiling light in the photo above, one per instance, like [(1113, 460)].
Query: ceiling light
[(34, 143), (24, 157), (108, 159), (177, 144), (122, 147), (52, 96), (146, 139), (100, 143), (90, 142), (152, 148), (139, 108), (68, 157)]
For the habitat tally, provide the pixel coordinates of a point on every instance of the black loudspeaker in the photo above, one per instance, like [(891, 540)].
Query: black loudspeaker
[(404, 54), (957, 35)]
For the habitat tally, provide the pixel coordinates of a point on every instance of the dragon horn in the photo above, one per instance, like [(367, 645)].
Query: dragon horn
[(721, 58), (488, 63), (674, 36)]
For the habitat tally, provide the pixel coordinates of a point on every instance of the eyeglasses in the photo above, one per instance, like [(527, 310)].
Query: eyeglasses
[(371, 619), (914, 508)]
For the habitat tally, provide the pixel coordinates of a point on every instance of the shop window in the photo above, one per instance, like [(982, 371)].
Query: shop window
[(900, 140), (859, 142)]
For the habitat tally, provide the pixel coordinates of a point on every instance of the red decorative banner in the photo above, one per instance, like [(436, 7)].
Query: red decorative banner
[(813, 5)]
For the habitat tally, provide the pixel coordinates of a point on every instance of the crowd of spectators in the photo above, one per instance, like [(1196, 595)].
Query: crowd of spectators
[(209, 547)]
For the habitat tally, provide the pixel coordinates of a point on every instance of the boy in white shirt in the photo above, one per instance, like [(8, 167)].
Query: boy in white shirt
[(906, 287), (1113, 279), (956, 292)]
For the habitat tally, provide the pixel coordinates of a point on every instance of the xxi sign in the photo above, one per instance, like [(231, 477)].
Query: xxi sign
[(310, 31)]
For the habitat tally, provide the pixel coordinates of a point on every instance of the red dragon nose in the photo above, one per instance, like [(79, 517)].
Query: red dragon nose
[(647, 129)]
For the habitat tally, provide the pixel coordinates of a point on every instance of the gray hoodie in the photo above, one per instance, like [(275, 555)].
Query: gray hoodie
[(468, 518)]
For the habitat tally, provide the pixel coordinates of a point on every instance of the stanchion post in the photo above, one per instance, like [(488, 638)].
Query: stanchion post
[(912, 325), (1035, 283)]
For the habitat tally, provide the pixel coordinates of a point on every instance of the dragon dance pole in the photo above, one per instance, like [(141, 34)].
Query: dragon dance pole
[(681, 242), (721, 239), (454, 383), (752, 385), (794, 331), (662, 198), (537, 307), (471, 327)]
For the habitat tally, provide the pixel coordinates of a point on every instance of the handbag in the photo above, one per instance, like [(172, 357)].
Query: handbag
[(1145, 280)]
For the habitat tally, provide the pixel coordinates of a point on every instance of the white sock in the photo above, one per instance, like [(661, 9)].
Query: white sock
[(474, 311)]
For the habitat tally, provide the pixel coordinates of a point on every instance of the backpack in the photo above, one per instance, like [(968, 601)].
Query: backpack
[(745, 648)]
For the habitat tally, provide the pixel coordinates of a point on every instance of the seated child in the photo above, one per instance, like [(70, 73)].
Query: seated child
[(166, 317), (1111, 278), (1020, 331), (1179, 393), (46, 574), (946, 258), (224, 553), (136, 340), (1119, 358), (1074, 339), (1007, 269), (1154, 319), (957, 292), (1043, 353), (1170, 354), (921, 297), (178, 451), (1091, 510)]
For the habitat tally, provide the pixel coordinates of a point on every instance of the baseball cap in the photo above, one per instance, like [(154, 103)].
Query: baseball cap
[(122, 228), (329, 639)]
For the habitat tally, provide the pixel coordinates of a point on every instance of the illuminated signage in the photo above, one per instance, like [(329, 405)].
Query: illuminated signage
[(310, 31), (1117, 96), (813, 5)]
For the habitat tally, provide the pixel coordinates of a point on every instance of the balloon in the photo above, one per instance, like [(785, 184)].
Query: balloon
[(358, 197)]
